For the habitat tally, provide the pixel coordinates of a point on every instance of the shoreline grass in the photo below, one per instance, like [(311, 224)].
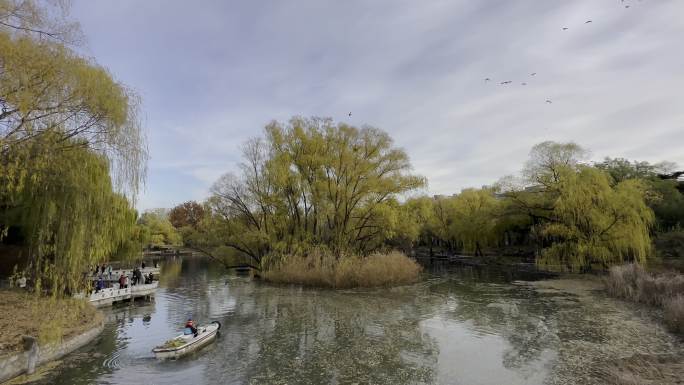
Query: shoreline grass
[(50, 319), (319, 269), (662, 290)]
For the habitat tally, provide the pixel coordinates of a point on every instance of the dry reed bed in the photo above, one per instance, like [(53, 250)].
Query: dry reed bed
[(666, 290), (320, 269), (644, 369)]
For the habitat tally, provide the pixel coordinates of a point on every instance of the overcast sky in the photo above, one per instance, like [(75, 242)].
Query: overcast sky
[(213, 73)]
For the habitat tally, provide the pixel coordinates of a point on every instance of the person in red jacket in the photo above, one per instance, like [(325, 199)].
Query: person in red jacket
[(122, 281)]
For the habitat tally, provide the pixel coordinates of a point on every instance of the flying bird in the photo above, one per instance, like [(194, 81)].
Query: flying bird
[(350, 114), (565, 28), (523, 84), (533, 73), (507, 82), (587, 22), (548, 101), (626, 6), (487, 79)]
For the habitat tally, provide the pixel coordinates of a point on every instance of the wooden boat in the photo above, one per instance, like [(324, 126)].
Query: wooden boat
[(185, 344)]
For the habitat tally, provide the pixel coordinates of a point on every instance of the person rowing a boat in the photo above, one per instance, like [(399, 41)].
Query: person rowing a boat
[(190, 327)]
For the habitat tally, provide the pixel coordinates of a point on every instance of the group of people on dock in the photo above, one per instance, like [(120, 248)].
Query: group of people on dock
[(103, 270), (105, 276)]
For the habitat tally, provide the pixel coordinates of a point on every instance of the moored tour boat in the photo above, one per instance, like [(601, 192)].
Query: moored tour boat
[(184, 344)]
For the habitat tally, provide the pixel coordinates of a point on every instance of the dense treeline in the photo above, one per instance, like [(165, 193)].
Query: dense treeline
[(72, 152), (569, 214), (313, 184)]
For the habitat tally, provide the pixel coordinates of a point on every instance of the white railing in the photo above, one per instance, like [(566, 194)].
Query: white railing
[(114, 294), (144, 289)]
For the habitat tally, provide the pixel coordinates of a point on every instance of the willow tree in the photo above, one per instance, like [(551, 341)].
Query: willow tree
[(40, 19), (467, 221), (579, 217), (441, 221), (158, 229), (594, 223), (529, 200), (71, 145), (414, 225), (69, 214), (475, 217), (666, 200), (548, 159), (312, 182), (47, 89)]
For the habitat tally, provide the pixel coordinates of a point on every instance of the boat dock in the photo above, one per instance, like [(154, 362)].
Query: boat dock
[(108, 296)]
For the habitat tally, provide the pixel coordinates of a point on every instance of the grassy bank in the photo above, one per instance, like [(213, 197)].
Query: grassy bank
[(664, 290), (49, 319), (324, 270)]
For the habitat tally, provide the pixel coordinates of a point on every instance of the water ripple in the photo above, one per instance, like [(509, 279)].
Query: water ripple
[(113, 361), (451, 329)]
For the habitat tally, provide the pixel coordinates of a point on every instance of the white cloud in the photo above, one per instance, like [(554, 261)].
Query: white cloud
[(415, 69)]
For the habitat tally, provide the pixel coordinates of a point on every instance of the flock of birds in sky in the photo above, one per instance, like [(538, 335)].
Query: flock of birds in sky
[(507, 82), (548, 101)]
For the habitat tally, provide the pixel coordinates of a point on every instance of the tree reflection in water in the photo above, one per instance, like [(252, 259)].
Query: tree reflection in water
[(312, 337), (460, 326)]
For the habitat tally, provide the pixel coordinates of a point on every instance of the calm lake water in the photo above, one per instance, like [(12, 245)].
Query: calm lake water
[(458, 326)]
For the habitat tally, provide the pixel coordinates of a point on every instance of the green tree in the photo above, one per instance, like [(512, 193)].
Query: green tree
[(475, 219), (47, 90), (467, 221), (535, 193), (441, 220), (70, 217), (158, 229), (621, 169), (547, 159), (43, 20), (311, 183), (667, 202), (664, 196), (595, 223), (578, 216), (72, 151), (414, 224)]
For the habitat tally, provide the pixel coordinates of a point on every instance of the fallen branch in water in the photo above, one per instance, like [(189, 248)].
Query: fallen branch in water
[(221, 261)]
